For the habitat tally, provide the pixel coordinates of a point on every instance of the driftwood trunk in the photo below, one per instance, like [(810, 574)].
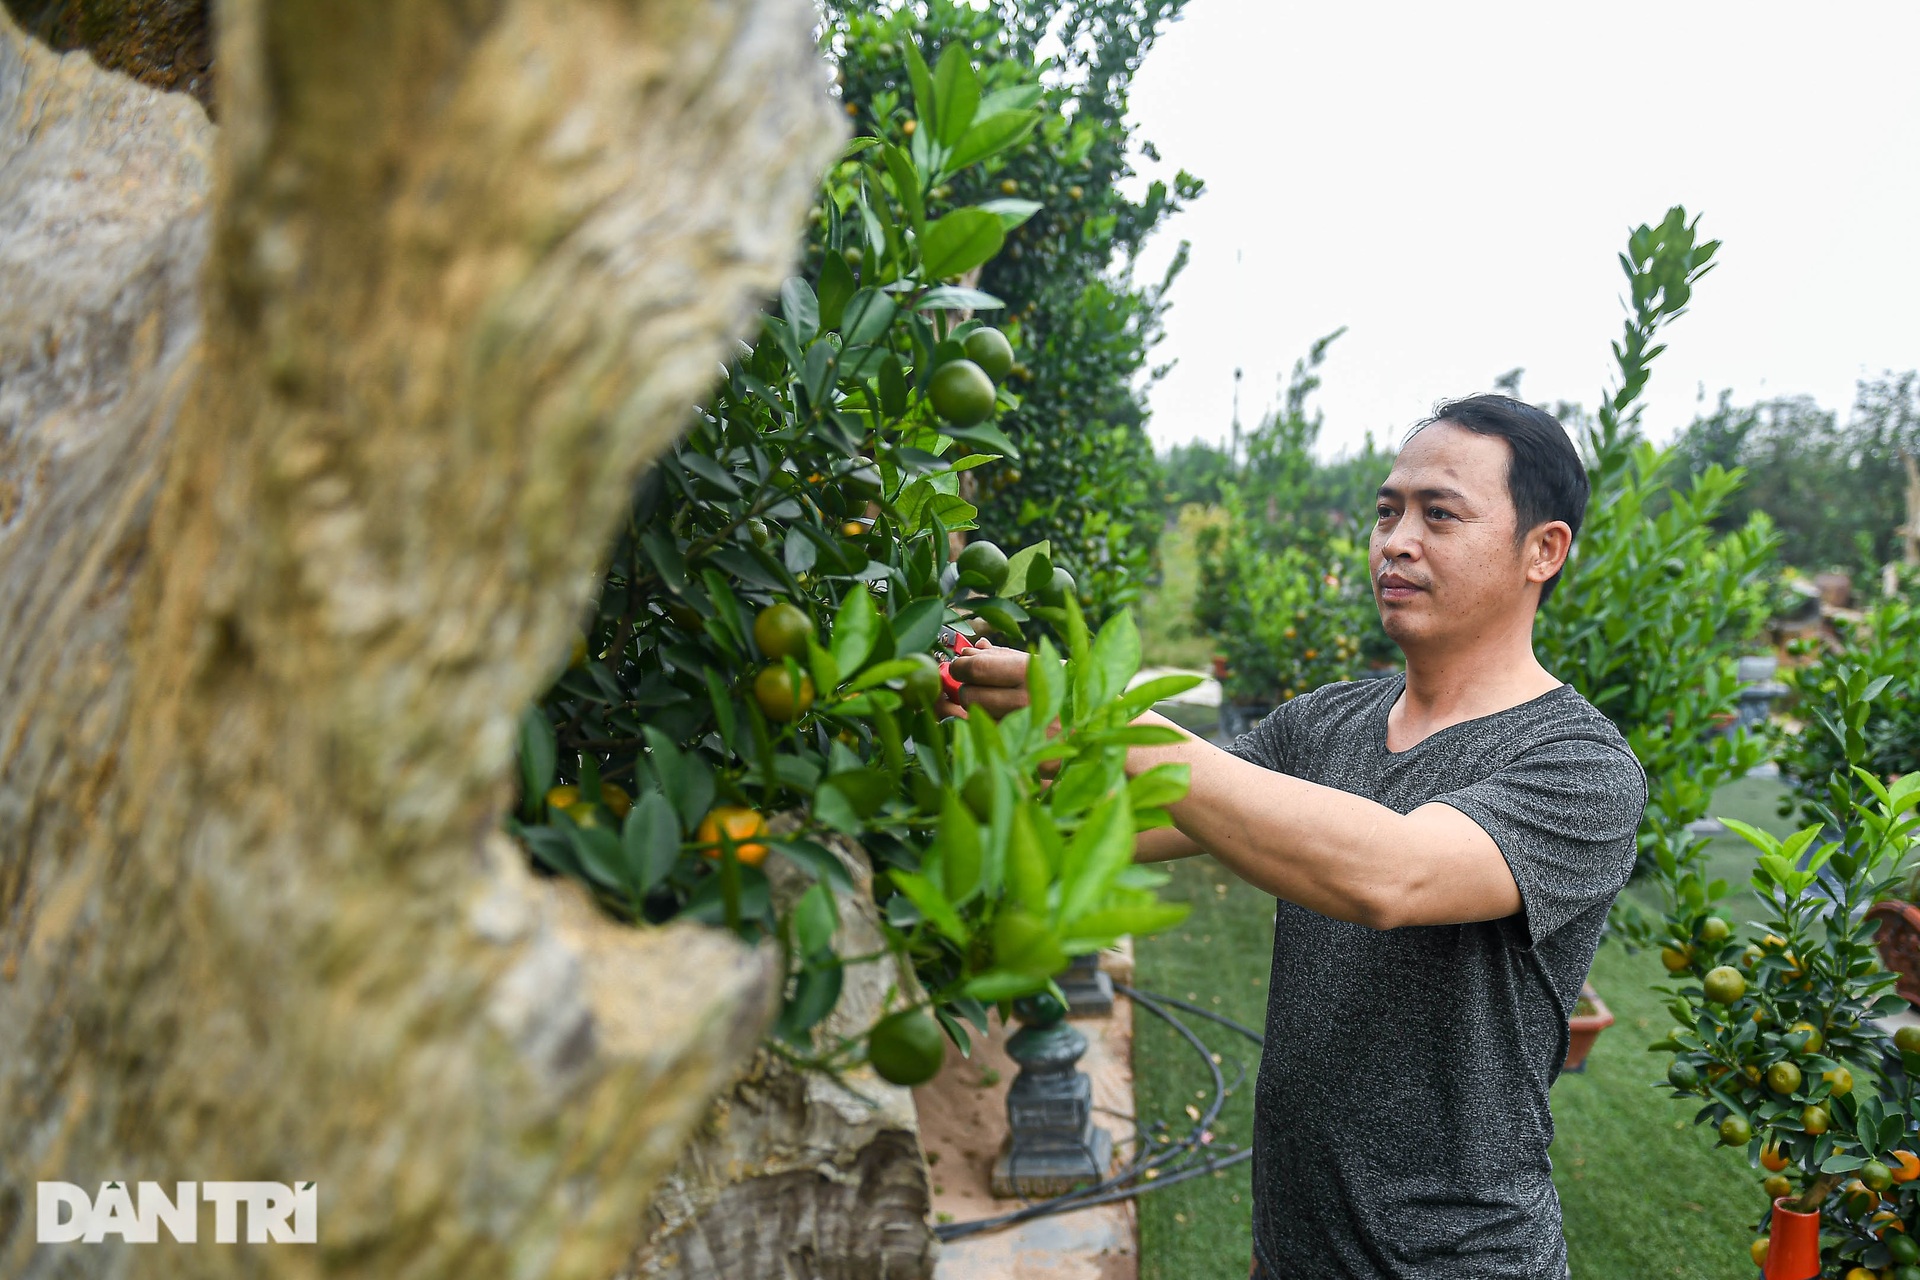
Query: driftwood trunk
[(794, 1176), (312, 438)]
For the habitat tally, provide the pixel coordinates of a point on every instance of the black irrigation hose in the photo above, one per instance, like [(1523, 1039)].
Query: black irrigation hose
[(1133, 1179)]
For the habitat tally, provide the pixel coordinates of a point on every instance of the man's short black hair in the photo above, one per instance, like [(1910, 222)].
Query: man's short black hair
[(1545, 477)]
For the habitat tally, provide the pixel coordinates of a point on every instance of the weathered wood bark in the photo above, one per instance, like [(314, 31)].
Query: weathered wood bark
[(278, 569), (794, 1176), (164, 43)]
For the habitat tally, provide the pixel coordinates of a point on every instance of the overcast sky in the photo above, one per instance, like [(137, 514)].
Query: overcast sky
[(1453, 182)]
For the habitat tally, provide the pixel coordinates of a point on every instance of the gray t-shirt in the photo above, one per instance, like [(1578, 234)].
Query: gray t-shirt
[(1401, 1114)]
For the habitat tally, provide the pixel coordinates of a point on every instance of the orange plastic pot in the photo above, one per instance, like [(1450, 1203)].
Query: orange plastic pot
[(1793, 1244), (1584, 1028)]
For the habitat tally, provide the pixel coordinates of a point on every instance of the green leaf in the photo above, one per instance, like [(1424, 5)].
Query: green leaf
[(814, 920), (1148, 692), (1765, 841), (1017, 97), (906, 185), (923, 98), (1029, 569), (822, 667), (599, 851), (956, 93), (816, 860), (801, 311), (1011, 211), (959, 843), (986, 434), (1046, 685), (1116, 655), (959, 242), (953, 297), (667, 559), (933, 905), (854, 629), (1097, 853), (1022, 943), (708, 903), (650, 841), (1100, 928), (1140, 735), (798, 551), (996, 985), (815, 993), (1164, 784), (865, 789), (881, 672), (832, 807), (867, 315), (893, 387), (1028, 874), (722, 703), (836, 286), (817, 375), (554, 851), (916, 627), (989, 136), (539, 755), (1796, 844)]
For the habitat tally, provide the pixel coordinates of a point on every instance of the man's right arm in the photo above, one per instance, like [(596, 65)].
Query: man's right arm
[(1164, 844)]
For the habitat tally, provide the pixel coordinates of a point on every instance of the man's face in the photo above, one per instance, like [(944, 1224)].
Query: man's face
[(1444, 559)]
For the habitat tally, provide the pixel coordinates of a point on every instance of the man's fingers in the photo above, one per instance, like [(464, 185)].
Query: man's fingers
[(1001, 668), (995, 701)]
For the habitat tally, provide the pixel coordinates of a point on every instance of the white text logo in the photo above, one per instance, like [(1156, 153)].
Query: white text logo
[(276, 1213)]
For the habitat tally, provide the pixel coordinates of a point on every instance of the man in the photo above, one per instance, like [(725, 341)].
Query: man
[(1444, 846)]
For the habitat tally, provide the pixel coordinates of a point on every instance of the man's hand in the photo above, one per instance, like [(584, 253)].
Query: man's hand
[(995, 680)]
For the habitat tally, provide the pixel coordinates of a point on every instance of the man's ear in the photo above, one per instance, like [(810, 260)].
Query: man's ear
[(1546, 550)]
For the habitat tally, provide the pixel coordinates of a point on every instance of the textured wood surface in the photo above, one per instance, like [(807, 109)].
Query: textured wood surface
[(312, 438), (794, 1176)]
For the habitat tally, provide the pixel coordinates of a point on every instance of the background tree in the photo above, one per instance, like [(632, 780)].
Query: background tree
[(1283, 586), (1654, 607), (1835, 491), (1083, 327), (1196, 471)]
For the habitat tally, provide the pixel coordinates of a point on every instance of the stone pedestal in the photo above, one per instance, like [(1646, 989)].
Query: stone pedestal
[(1052, 1145), (1089, 991)]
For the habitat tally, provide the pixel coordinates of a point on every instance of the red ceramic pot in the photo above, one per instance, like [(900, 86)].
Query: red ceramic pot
[(1793, 1245), (1584, 1028), (1899, 942)]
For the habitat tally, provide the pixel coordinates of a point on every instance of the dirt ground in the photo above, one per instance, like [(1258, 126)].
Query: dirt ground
[(963, 1121)]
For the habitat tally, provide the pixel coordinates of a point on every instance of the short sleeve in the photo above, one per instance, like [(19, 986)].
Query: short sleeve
[(1270, 743), (1563, 813)]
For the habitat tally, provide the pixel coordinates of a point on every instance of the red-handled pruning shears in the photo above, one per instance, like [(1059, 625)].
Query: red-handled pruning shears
[(959, 643)]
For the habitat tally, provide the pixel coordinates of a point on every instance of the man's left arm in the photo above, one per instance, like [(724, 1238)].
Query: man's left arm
[(1334, 852)]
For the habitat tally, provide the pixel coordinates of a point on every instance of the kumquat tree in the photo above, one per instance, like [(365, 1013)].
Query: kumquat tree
[(1776, 1039), (760, 673)]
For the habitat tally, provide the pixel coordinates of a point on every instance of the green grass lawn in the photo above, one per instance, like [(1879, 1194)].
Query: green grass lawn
[(1218, 958), (1644, 1192)]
